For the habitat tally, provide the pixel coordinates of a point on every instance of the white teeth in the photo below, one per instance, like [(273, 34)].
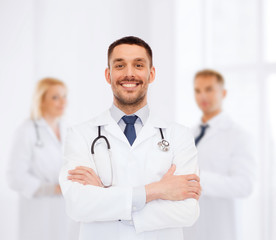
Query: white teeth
[(129, 85)]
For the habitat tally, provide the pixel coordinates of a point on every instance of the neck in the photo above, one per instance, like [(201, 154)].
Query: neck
[(52, 121), (207, 116), (130, 109)]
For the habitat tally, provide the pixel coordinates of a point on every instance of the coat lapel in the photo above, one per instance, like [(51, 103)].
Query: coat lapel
[(220, 123), (110, 126), (150, 128)]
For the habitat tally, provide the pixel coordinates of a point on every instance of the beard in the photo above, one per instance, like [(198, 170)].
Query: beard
[(131, 100)]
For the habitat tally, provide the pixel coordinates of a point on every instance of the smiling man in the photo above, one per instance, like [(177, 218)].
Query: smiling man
[(140, 182)]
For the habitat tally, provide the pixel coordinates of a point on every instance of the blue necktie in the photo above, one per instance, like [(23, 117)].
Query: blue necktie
[(202, 133), (130, 130)]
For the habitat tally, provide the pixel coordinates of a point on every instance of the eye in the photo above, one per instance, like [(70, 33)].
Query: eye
[(119, 66), (55, 97), (139, 65)]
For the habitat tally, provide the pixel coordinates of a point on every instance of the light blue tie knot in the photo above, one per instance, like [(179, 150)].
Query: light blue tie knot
[(130, 130)]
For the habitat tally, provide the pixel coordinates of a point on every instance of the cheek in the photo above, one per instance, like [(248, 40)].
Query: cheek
[(53, 104), (197, 98), (115, 78)]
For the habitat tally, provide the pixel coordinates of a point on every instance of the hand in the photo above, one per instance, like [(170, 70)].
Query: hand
[(57, 190), (85, 176), (174, 187)]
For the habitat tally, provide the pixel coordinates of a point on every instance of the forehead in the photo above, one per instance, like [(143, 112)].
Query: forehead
[(204, 81), (128, 52), (56, 88)]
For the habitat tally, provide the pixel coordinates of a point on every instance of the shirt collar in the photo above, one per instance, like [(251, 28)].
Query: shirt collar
[(142, 114), (221, 121)]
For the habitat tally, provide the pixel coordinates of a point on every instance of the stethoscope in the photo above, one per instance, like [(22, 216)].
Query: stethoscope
[(163, 146), (38, 142)]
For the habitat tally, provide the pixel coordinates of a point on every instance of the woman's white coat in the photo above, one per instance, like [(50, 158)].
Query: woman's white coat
[(32, 168)]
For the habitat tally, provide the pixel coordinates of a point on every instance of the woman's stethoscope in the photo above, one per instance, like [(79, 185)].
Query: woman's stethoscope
[(163, 146), (38, 142)]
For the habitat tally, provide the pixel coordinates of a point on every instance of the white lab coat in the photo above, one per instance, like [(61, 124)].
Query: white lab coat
[(99, 209), (31, 168), (227, 169)]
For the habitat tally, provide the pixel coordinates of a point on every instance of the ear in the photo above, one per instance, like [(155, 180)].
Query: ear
[(152, 74), (224, 93), (107, 75)]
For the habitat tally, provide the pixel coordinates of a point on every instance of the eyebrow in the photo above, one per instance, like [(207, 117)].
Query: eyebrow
[(136, 59), (140, 59), (118, 60)]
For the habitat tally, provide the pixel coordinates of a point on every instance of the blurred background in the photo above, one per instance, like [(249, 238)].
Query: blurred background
[(68, 39)]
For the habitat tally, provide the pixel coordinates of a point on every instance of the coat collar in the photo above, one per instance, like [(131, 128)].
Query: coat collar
[(222, 122), (106, 119), (149, 129), (42, 123)]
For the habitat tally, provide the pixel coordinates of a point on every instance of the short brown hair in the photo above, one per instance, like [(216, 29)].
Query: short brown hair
[(131, 40), (210, 73)]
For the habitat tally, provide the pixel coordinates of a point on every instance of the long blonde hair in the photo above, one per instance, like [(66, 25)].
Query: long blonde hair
[(40, 91)]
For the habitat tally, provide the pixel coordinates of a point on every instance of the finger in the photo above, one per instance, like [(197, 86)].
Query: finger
[(194, 190), (193, 195), (192, 177), (193, 184), (85, 168), (79, 172), (171, 170), (79, 177), (89, 170)]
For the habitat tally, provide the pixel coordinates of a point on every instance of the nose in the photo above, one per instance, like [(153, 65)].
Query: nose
[(63, 101), (200, 96), (130, 71)]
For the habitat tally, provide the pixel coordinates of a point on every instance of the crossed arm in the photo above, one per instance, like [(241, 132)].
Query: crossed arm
[(170, 187)]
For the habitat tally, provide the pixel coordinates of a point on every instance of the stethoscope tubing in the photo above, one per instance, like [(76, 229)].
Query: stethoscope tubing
[(98, 138)]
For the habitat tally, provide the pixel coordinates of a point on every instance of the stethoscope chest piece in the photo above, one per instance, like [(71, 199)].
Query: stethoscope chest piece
[(164, 145)]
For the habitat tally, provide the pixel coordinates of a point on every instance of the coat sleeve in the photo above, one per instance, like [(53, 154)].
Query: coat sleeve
[(240, 179), (19, 174), (87, 203), (160, 214)]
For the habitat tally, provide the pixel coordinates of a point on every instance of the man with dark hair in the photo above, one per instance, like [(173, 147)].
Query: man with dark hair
[(140, 182), (131, 40), (225, 159)]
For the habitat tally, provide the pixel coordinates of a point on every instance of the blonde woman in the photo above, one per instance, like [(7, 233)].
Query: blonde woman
[(36, 159)]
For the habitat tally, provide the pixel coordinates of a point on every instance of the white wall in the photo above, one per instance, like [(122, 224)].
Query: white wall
[(16, 83)]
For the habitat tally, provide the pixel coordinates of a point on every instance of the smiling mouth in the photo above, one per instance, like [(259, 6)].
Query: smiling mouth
[(129, 85)]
